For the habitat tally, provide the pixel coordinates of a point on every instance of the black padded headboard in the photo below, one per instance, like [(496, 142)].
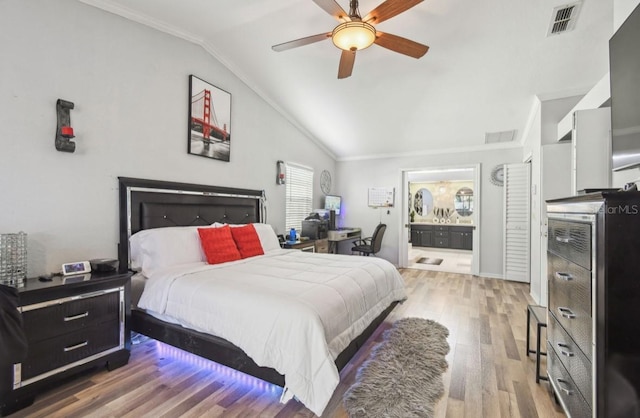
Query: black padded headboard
[(146, 204)]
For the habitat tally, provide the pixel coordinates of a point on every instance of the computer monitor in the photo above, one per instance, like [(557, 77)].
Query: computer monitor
[(333, 203)]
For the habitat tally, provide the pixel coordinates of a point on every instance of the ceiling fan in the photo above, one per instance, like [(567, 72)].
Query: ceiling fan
[(355, 33)]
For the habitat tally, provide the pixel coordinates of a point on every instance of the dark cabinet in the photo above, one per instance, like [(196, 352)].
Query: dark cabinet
[(422, 235), (442, 236), (72, 324), (593, 339), (457, 239), (415, 237), (461, 237), (427, 238)]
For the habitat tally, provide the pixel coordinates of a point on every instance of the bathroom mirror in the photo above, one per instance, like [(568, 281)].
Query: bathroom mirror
[(463, 201), (423, 202)]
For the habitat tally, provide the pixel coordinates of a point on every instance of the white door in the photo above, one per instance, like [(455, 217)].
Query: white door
[(405, 207), (517, 183)]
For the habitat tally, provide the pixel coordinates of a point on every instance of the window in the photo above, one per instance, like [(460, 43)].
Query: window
[(299, 191)]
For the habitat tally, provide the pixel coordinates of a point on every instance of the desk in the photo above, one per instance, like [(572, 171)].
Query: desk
[(343, 234)]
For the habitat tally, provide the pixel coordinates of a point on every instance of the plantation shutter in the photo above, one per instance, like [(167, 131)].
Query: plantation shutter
[(299, 191), (517, 183)]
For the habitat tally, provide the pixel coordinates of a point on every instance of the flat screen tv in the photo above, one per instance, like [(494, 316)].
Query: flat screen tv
[(333, 203), (624, 62)]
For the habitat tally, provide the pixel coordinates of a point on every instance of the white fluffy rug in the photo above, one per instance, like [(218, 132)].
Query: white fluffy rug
[(403, 376)]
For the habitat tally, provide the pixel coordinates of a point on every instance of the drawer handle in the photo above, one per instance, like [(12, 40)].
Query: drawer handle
[(563, 276), (564, 352), (564, 389), (75, 347), (74, 317), (566, 312), (564, 240)]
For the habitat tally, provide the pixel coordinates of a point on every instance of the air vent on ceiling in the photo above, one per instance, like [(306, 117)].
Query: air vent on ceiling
[(563, 18), (495, 137)]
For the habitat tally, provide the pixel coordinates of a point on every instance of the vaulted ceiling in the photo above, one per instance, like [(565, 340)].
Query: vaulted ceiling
[(487, 61)]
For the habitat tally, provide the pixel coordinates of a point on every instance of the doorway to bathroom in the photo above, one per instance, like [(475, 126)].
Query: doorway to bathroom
[(440, 219)]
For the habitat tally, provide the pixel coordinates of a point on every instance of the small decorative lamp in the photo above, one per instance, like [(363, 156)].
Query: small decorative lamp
[(13, 259)]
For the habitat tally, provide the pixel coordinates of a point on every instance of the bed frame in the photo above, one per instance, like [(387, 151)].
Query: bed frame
[(146, 204)]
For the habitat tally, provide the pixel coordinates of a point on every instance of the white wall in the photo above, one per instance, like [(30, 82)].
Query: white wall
[(543, 132), (129, 84), (621, 10), (355, 177), (532, 144), (555, 180)]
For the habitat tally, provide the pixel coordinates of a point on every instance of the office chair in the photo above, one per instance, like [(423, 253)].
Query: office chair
[(372, 244)]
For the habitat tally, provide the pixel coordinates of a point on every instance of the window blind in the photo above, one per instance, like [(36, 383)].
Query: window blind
[(299, 191)]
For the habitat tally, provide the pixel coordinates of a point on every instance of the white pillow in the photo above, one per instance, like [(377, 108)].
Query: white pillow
[(268, 238), (157, 248)]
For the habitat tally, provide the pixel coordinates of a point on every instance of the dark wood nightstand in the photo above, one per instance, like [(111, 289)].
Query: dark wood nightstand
[(72, 323), (308, 245)]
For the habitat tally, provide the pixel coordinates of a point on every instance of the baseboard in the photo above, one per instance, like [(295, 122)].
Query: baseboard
[(491, 276)]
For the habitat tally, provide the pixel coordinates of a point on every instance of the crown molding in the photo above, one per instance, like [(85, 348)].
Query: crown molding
[(134, 16), (161, 26), (456, 150)]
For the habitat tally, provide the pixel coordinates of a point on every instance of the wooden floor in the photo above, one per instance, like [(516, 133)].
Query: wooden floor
[(489, 374)]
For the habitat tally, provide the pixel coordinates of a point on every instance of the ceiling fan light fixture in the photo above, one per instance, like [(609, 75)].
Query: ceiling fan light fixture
[(353, 36)]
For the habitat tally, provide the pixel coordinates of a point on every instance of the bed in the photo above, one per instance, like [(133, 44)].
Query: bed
[(306, 341)]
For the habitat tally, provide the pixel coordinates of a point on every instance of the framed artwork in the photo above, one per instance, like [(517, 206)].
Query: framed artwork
[(209, 120)]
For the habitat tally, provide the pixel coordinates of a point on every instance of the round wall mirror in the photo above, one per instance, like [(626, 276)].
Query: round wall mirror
[(463, 201), (423, 202)]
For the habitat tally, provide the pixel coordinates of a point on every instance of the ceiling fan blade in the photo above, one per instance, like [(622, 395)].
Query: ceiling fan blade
[(347, 59), (301, 42), (389, 9), (334, 9), (400, 44)]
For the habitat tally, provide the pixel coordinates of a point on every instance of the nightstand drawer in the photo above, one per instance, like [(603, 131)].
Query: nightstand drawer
[(69, 348), (61, 317)]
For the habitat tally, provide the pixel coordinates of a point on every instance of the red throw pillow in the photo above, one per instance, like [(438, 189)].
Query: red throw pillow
[(247, 241), (218, 245)]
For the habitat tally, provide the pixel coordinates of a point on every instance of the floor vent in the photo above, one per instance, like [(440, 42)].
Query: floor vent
[(503, 136), (563, 18)]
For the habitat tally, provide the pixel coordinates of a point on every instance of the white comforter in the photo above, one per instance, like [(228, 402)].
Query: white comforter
[(290, 310)]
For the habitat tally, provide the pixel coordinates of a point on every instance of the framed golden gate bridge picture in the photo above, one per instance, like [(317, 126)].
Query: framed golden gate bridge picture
[(209, 120)]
